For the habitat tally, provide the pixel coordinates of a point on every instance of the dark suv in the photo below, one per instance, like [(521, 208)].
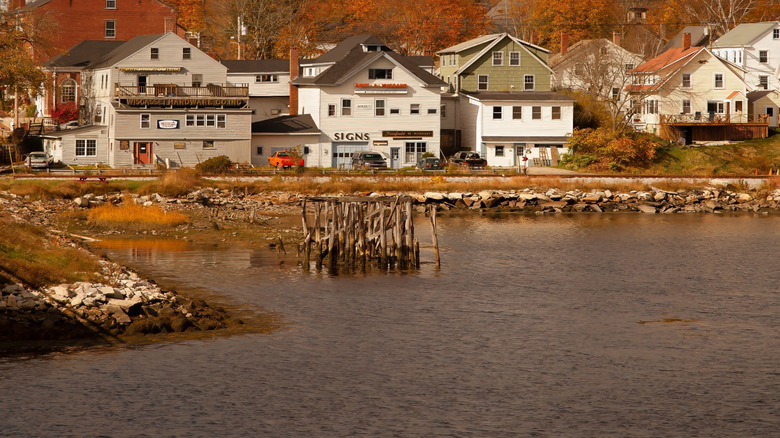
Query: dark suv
[(469, 159), (368, 160)]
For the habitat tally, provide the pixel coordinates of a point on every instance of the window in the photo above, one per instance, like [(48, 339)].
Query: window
[(99, 114), (346, 107), (86, 148), (482, 82), (155, 53), (208, 144), (146, 121), (770, 111), (331, 110), (686, 106), (776, 34), (259, 150), (556, 113), (514, 59), (431, 111), (579, 69), (498, 58), (499, 151), (718, 80), (197, 80), (763, 56), (452, 59), (497, 112), (528, 82), (266, 78), (536, 112), (110, 4), (686, 80), (211, 120), (186, 53), (306, 150), (443, 111), (380, 73), (221, 121), (414, 108), (414, 150), (629, 66), (68, 91), (763, 82), (517, 112), (110, 29), (715, 107), (395, 111), (379, 108), (200, 120), (615, 93), (651, 107)]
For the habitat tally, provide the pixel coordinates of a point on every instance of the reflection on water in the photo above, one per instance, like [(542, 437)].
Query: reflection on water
[(588, 325)]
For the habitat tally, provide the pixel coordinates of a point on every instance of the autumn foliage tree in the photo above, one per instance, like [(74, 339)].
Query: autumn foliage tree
[(580, 19)]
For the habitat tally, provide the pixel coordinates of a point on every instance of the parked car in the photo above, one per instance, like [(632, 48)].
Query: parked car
[(368, 160), (284, 159), (37, 160), (430, 163), (469, 159), (69, 125)]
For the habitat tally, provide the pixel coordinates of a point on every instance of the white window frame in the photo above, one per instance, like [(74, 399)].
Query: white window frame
[(68, 84), (87, 144), (378, 107), (189, 120), (110, 4), (109, 32), (498, 112), (154, 53), (145, 119), (689, 81), (346, 110), (763, 56), (387, 73), (763, 82), (211, 120), (498, 59), (553, 111), (525, 82), (686, 106), (186, 53), (776, 34), (715, 81), (499, 150), (331, 110), (517, 112), (261, 79), (414, 109), (221, 121), (534, 111), (515, 59), (480, 82)]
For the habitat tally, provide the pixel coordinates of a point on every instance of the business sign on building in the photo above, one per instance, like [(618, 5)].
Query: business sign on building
[(167, 124), (407, 133)]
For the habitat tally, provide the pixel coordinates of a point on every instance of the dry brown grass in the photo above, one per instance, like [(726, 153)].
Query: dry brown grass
[(135, 216), (54, 189), (176, 183), (28, 253)]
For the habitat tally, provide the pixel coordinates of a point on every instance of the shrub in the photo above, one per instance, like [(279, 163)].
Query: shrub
[(602, 148), (66, 112), (220, 164)]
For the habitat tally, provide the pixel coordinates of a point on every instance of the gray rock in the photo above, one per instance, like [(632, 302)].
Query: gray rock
[(644, 208), (433, 196), (11, 302), (110, 292), (81, 202)]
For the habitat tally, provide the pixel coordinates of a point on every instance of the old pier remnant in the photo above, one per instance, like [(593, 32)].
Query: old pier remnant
[(354, 231)]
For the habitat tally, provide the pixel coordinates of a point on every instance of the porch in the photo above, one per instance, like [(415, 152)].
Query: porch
[(697, 127)]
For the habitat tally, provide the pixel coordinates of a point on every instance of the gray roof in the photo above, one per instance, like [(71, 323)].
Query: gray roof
[(257, 66), (470, 43), (345, 47), (744, 34), (80, 130), (300, 124), (356, 58), (125, 50), (700, 37), (521, 96), (83, 53)]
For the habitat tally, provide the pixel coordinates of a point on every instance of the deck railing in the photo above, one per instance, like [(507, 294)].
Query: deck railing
[(712, 118), (173, 90)]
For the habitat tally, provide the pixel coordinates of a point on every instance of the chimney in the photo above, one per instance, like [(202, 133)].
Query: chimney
[(293, 75), (686, 41), (564, 42), (617, 38)]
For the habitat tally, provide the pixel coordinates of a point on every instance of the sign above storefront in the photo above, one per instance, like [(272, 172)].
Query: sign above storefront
[(407, 133), (149, 69), (351, 136), (167, 124), (184, 102)]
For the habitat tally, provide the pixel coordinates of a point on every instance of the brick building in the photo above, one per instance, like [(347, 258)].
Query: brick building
[(108, 20)]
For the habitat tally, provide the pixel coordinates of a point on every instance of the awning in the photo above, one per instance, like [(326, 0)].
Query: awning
[(150, 69)]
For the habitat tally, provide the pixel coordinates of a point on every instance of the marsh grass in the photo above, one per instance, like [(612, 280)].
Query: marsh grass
[(176, 183), (134, 216), (57, 189), (37, 259)]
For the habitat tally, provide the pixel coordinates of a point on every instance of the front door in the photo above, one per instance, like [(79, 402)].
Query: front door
[(142, 153), (395, 155), (142, 84)]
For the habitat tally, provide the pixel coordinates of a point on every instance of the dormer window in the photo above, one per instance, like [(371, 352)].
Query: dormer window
[(380, 73), (155, 53), (373, 48)]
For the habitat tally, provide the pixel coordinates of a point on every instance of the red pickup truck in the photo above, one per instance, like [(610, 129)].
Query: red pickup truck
[(283, 160)]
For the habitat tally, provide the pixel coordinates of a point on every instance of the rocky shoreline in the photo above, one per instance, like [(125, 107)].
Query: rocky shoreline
[(124, 304)]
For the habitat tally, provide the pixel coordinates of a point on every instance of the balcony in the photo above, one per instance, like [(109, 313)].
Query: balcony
[(173, 95), (711, 127)]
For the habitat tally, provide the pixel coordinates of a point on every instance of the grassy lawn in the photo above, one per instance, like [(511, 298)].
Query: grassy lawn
[(744, 158)]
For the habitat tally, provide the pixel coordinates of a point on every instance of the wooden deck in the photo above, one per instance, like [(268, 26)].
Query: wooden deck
[(708, 128)]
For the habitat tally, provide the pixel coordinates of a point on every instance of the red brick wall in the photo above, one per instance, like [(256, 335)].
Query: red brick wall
[(85, 20)]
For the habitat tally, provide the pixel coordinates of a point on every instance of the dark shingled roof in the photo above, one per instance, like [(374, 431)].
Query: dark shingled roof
[(257, 66), (521, 96), (354, 58), (300, 124), (83, 53), (344, 47), (125, 50)]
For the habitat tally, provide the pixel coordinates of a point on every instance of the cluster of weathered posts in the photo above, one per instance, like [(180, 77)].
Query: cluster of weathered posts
[(362, 231)]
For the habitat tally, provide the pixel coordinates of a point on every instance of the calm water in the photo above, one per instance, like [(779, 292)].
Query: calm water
[(590, 325)]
